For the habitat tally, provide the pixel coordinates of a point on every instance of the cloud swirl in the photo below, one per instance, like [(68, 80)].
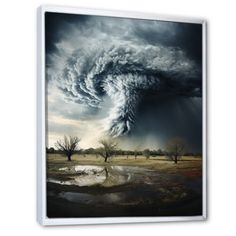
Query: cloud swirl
[(124, 60), (125, 72)]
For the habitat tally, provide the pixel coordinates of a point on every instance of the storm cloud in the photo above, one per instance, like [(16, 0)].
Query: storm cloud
[(92, 59)]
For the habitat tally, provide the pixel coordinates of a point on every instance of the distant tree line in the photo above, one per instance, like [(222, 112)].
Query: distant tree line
[(68, 146), (120, 152)]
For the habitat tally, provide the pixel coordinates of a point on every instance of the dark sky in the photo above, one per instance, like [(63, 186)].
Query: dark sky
[(141, 80)]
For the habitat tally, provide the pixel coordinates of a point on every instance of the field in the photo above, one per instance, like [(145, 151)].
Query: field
[(124, 186)]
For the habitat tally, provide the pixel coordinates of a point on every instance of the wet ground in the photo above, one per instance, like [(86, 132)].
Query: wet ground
[(118, 190)]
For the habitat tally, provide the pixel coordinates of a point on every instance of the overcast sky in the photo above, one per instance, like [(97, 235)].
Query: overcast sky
[(138, 81)]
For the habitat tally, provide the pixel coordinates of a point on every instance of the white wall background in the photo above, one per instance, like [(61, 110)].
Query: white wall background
[(18, 117)]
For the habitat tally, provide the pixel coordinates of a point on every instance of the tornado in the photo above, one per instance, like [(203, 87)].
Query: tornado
[(125, 72)]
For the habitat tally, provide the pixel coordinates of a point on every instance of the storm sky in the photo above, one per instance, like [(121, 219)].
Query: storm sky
[(137, 81)]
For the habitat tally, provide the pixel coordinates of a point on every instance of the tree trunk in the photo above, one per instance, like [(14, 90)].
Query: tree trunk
[(69, 158), (106, 172), (106, 158), (176, 159)]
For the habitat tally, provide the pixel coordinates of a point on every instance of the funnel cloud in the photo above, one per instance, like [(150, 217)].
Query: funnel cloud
[(136, 78)]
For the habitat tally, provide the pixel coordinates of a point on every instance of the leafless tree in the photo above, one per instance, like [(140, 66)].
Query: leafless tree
[(175, 149), (146, 153), (108, 148), (136, 151), (68, 145)]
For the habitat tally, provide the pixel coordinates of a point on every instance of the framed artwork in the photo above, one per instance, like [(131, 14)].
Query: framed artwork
[(121, 117)]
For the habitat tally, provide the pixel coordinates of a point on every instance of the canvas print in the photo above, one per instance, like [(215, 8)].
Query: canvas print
[(124, 120)]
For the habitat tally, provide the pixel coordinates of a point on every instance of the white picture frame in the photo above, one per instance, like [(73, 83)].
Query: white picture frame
[(41, 118)]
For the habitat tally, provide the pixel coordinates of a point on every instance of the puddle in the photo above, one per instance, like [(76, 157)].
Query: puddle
[(83, 169), (107, 176), (117, 189), (82, 180), (85, 198)]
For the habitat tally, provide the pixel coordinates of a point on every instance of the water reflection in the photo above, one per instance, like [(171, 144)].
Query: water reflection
[(119, 186), (85, 198), (88, 175)]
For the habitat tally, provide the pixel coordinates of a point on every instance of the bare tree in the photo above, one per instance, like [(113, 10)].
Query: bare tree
[(68, 145), (136, 151), (146, 153), (108, 148), (175, 149)]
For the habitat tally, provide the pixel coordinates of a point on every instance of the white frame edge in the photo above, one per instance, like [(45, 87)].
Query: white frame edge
[(41, 118)]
